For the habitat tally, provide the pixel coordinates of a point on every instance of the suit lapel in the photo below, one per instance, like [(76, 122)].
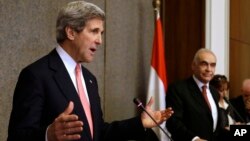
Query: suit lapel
[(197, 95), (89, 85), (62, 77), (67, 87), (215, 95)]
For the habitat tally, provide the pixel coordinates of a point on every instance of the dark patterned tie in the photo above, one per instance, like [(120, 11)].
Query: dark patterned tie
[(204, 93)]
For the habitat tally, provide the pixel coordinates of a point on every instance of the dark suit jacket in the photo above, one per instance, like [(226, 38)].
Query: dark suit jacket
[(44, 90), (224, 115), (239, 106), (192, 116)]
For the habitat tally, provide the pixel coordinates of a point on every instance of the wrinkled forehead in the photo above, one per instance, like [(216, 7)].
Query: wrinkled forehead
[(206, 57)]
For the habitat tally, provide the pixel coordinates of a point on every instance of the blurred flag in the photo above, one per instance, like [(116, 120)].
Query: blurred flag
[(158, 76)]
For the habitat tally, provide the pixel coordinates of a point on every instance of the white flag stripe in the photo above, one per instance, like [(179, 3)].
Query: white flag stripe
[(157, 91)]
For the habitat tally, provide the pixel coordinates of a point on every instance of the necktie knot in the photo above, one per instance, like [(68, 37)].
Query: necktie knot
[(78, 68), (204, 89)]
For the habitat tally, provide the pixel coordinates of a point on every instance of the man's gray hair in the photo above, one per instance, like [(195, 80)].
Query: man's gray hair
[(196, 56), (75, 15)]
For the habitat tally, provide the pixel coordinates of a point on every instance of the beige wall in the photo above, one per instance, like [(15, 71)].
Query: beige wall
[(27, 32)]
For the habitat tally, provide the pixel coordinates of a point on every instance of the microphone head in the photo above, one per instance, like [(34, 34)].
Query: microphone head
[(137, 102)]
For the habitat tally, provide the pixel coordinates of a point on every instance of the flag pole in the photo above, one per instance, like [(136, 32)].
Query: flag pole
[(157, 86)]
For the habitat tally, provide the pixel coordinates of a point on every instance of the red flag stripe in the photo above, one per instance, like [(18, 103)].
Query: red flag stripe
[(158, 53)]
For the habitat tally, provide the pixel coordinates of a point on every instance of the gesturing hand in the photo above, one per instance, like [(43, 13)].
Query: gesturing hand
[(66, 126), (159, 116)]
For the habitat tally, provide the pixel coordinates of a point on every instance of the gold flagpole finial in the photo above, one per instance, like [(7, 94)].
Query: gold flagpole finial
[(157, 4)]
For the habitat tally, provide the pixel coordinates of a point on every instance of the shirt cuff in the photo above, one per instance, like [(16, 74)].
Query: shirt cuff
[(46, 134), (195, 138)]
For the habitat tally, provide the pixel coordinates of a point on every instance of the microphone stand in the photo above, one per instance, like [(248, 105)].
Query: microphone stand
[(139, 104), (236, 112)]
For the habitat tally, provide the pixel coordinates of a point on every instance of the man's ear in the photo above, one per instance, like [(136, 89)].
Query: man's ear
[(70, 33)]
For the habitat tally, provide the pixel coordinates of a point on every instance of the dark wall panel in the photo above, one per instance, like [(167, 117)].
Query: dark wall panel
[(184, 35)]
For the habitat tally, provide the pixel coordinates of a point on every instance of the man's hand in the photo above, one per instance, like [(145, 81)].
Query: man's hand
[(159, 116), (66, 126)]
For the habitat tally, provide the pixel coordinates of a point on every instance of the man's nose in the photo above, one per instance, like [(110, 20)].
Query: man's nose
[(99, 39)]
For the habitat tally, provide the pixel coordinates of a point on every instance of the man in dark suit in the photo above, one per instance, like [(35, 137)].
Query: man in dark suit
[(47, 104), (194, 118), (242, 102)]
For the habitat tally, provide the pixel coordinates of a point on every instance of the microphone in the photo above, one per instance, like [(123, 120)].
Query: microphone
[(138, 103), (235, 111)]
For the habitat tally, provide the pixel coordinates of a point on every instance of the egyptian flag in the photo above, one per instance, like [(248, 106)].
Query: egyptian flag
[(158, 76)]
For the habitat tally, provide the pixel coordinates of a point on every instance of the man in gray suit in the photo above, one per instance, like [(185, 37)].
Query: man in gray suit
[(196, 116)]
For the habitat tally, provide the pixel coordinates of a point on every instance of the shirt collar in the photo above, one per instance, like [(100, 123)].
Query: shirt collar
[(199, 83), (68, 61)]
